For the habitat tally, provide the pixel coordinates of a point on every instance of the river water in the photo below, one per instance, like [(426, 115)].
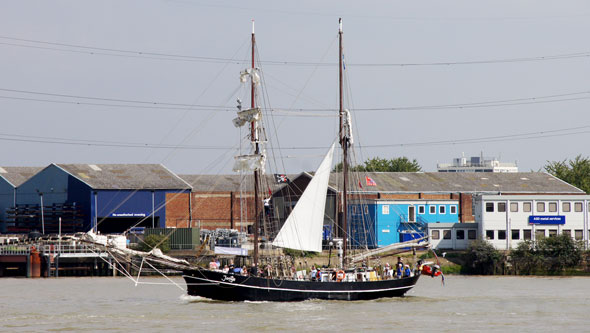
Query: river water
[(463, 304)]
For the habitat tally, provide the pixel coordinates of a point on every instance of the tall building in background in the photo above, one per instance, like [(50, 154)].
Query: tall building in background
[(476, 164)]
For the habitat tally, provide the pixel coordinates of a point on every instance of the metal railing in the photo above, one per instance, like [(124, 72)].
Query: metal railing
[(8, 250), (49, 249)]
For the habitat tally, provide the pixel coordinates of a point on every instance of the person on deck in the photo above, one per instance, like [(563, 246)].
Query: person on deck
[(407, 271), (399, 270), (253, 270), (213, 264), (387, 271), (313, 273)]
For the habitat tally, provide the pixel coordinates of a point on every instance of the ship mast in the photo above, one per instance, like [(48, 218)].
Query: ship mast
[(254, 139), (344, 145)]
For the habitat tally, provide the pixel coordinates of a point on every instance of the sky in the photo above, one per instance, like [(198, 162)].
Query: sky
[(156, 81)]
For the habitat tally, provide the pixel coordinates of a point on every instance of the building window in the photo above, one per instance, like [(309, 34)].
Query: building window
[(566, 207), (489, 234), (567, 232), (501, 206), (552, 232), (411, 214), (460, 234), (526, 234), (553, 207), (489, 206), (579, 235), (515, 234), (501, 234), (578, 207), (442, 209), (471, 234), (539, 233), (514, 207), (432, 209), (446, 234), (385, 210), (421, 210), (435, 234), (540, 207), (526, 206), (453, 209)]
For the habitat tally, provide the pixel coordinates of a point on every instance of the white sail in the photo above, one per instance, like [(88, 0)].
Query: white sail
[(303, 228)]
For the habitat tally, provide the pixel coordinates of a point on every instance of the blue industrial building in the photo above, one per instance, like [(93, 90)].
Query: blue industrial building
[(107, 197), (10, 179), (377, 223)]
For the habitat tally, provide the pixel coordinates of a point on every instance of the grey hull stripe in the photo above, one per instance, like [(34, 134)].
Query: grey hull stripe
[(299, 290)]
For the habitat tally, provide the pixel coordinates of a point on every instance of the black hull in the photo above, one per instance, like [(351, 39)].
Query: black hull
[(229, 287)]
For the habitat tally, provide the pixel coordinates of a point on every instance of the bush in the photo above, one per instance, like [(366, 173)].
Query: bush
[(151, 241), (299, 254), (559, 252), (552, 255), (525, 259), (481, 258)]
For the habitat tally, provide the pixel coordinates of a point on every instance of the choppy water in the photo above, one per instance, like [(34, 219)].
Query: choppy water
[(463, 304)]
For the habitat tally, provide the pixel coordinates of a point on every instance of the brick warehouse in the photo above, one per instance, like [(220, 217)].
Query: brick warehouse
[(213, 198)]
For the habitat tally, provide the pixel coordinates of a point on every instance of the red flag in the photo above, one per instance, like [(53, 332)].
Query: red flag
[(370, 182), (269, 192), (360, 185)]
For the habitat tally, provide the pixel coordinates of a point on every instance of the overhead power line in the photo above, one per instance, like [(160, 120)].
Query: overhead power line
[(93, 50), (117, 144), (133, 103)]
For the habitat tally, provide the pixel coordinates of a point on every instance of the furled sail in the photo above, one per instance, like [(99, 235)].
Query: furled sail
[(348, 127), (247, 116), (250, 73), (249, 162), (303, 228)]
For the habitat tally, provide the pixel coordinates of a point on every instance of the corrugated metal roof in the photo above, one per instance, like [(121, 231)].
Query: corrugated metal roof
[(227, 183), (420, 182), (18, 175), (125, 176)]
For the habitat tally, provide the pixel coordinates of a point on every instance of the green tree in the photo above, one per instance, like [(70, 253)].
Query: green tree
[(559, 252), (481, 258), (525, 259), (377, 164), (151, 241), (548, 254), (575, 172)]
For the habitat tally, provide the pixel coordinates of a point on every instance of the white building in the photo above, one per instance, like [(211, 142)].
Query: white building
[(452, 236), (506, 220), (477, 164)]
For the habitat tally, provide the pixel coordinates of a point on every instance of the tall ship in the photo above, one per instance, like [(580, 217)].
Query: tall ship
[(301, 231)]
